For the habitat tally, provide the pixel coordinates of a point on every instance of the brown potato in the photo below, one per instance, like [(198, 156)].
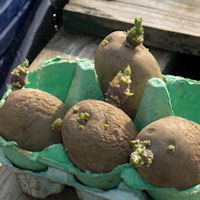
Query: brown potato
[(113, 54), (97, 136), (175, 145), (27, 116)]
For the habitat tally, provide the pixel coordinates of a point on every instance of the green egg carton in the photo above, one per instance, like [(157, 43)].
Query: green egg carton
[(75, 80), (176, 96), (132, 178), (52, 180)]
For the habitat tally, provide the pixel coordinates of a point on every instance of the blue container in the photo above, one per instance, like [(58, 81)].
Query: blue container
[(13, 17), (8, 9)]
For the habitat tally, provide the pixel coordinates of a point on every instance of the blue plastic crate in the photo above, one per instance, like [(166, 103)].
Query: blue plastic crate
[(8, 9), (8, 33)]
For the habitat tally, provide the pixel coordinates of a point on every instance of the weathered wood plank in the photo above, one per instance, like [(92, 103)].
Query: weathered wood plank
[(74, 44), (68, 45), (169, 24), (10, 190)]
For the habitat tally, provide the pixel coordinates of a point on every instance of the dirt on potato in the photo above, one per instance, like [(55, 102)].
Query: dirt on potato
[(27, 116), (175, 144), (97, 136)]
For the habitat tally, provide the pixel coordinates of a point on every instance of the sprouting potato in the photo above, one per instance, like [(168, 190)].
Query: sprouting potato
[(167, 153), (119, 50), (27, 117), (97, 136)]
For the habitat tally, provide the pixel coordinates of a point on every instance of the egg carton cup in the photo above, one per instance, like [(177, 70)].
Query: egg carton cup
[(171, 96), (52, 181), (174, 96)]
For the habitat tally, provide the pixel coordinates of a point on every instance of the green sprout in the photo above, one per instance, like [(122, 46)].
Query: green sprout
[(105, 42), (146, 142), (127, 45), (24, 70), (57, 124), (142, 156), (119, 88), (171, 148), (135, 34), (81, 127), (26, 82), (128, 93), (19, 76), (75, 109), (25, 64), (127, 71), (16, 85), (15, 72), (84, 116), (135, 160), (106, 126), (115, 99)]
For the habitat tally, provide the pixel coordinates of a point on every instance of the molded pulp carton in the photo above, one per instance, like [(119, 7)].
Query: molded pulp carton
[(75, 80)]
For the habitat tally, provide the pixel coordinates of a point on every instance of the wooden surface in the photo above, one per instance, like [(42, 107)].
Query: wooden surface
[(10, 190), (169, 24), (68, 44)]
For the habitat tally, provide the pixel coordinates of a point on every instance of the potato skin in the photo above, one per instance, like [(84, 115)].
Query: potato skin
[(178, 169), (26, 118), (114, 56), (98, 148)]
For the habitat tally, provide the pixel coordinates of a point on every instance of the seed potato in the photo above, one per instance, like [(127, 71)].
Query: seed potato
[(97, 136), (27, 117), (170, 156), (115, 53)]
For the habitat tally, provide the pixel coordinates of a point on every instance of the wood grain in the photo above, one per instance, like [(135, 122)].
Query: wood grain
[(10, 190), (68, 45), (169, 24)]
